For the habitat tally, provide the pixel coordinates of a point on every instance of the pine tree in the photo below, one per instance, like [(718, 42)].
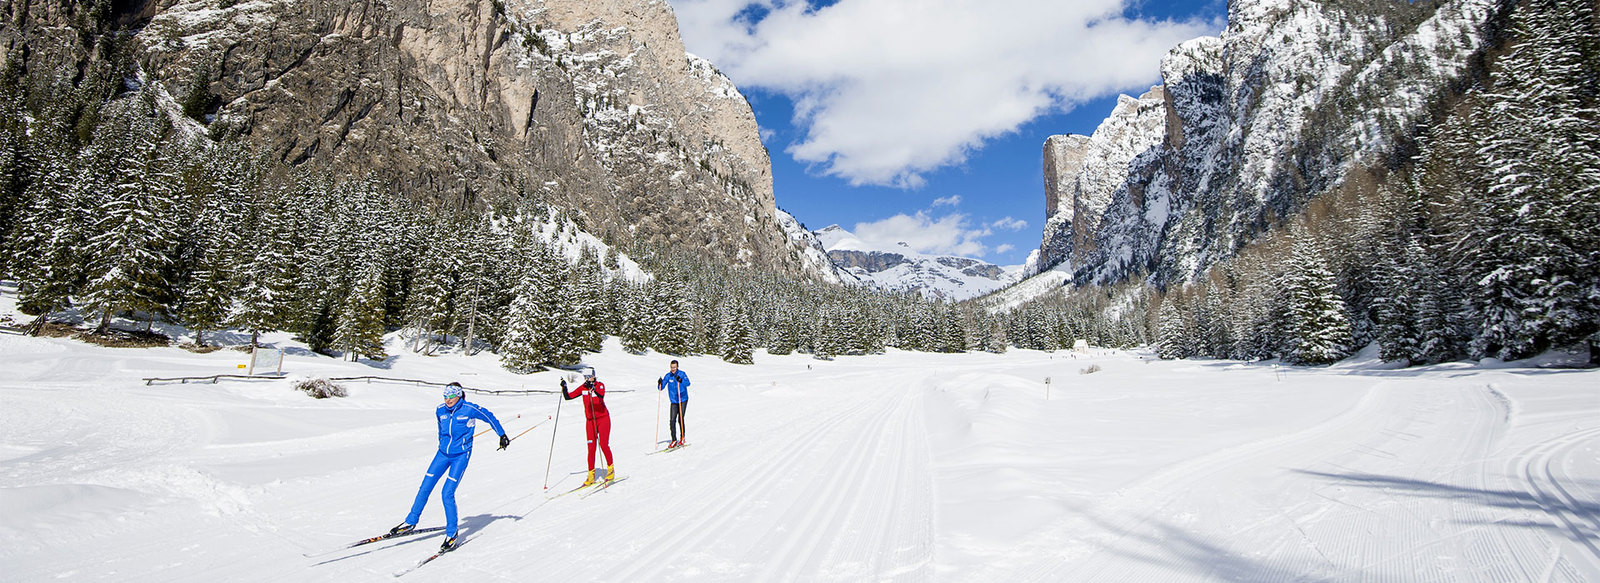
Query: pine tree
[(588, 303), (784, 337), (52, 235), (1398, 332), (431, 302), (670, 311), (264, 278), (1172, 340), (636, 324), (540, 327), (134, 232), (1540, 145), (213, 243), (360, 320), (523, 350), (737, 337), (1318, 326)]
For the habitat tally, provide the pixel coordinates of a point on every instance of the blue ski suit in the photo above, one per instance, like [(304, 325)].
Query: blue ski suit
[(677, 385), (456, 425)]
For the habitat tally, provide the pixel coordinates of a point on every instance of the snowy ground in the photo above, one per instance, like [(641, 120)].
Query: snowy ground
[(896, 467)]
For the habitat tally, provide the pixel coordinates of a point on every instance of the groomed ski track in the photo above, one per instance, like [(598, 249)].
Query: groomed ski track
[(903, 467)]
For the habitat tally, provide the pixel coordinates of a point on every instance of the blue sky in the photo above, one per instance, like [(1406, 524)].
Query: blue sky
[(924, 120)]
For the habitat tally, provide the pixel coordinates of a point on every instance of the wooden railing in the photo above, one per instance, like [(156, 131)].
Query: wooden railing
[(369, 378)]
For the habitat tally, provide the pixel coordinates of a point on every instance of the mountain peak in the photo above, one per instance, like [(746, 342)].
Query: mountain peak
[(900, 267)]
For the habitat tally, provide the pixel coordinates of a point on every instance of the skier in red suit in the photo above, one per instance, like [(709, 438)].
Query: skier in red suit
[(598, 419)]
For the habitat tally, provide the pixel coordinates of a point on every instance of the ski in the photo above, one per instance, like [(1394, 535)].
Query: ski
[(575, 490), (433, 556), (380, 537), (601, 488), (669, 450)]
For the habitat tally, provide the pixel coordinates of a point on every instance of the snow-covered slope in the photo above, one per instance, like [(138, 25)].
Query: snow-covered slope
[(962, 467), (901, 268)]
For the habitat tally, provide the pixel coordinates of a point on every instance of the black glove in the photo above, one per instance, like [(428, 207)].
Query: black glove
[(563, 384), (504, 441)]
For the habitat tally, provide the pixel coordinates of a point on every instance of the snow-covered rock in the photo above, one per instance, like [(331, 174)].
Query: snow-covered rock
[(1250, 126)]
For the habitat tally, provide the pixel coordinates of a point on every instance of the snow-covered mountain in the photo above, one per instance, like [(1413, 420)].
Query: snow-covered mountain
[(594, 106), (901, 268), (1293, 100)]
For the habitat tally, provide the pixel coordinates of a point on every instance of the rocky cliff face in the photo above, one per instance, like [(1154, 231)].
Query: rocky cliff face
[(590, 105), (1250, 126), (1082, 173)]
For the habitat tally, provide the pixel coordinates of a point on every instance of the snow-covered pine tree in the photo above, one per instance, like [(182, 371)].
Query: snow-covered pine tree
[(952, 329), (636, 333), (51, 235), (1397, 327), (522, 349), (826, 342), (133, 228), (264, 279), (360, 319), (1537, 274), (670, 311), (994, 340), (588, 301), (1172, 336), (484, 276), (223, 175), (436, 287), (429, 305), (737, 337), (782, 337), (1212, 333), (1319, 329), (15, 174)]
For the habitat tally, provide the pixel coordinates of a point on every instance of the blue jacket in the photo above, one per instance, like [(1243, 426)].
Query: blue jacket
[(677, 386), (457, 424)]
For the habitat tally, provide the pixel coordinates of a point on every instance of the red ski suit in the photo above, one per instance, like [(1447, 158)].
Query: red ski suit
[(598, 419)]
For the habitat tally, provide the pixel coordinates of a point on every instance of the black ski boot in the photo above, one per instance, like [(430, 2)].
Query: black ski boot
[(448, 545), (401, 528)]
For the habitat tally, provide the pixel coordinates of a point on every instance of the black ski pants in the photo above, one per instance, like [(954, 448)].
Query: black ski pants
[(675, 419)]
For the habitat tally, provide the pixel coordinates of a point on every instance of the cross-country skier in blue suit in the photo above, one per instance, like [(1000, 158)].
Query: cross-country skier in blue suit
[(457, 419), (677, 386)]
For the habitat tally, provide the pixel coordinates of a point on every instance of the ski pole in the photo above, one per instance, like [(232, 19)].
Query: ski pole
[(553, 429), (525, 431), (487, 429), (658, 418)]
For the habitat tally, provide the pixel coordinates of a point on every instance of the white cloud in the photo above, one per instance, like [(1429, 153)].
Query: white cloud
[(952, 200), (1010, 224), (885, 90), (946, 235), (1004, 247)]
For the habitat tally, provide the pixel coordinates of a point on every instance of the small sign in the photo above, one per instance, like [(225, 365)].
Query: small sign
[(241, 366)]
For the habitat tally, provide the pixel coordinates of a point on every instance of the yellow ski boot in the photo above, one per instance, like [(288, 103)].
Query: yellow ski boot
[(611, 474), (590, 480)]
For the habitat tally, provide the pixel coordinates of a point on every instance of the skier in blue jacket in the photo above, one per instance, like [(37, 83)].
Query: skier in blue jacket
[(677, 386), (457, 420)]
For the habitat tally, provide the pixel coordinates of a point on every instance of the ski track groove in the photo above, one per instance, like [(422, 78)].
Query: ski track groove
[(1172, 483), (798, 545), (1535, 468), (719, 504)]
